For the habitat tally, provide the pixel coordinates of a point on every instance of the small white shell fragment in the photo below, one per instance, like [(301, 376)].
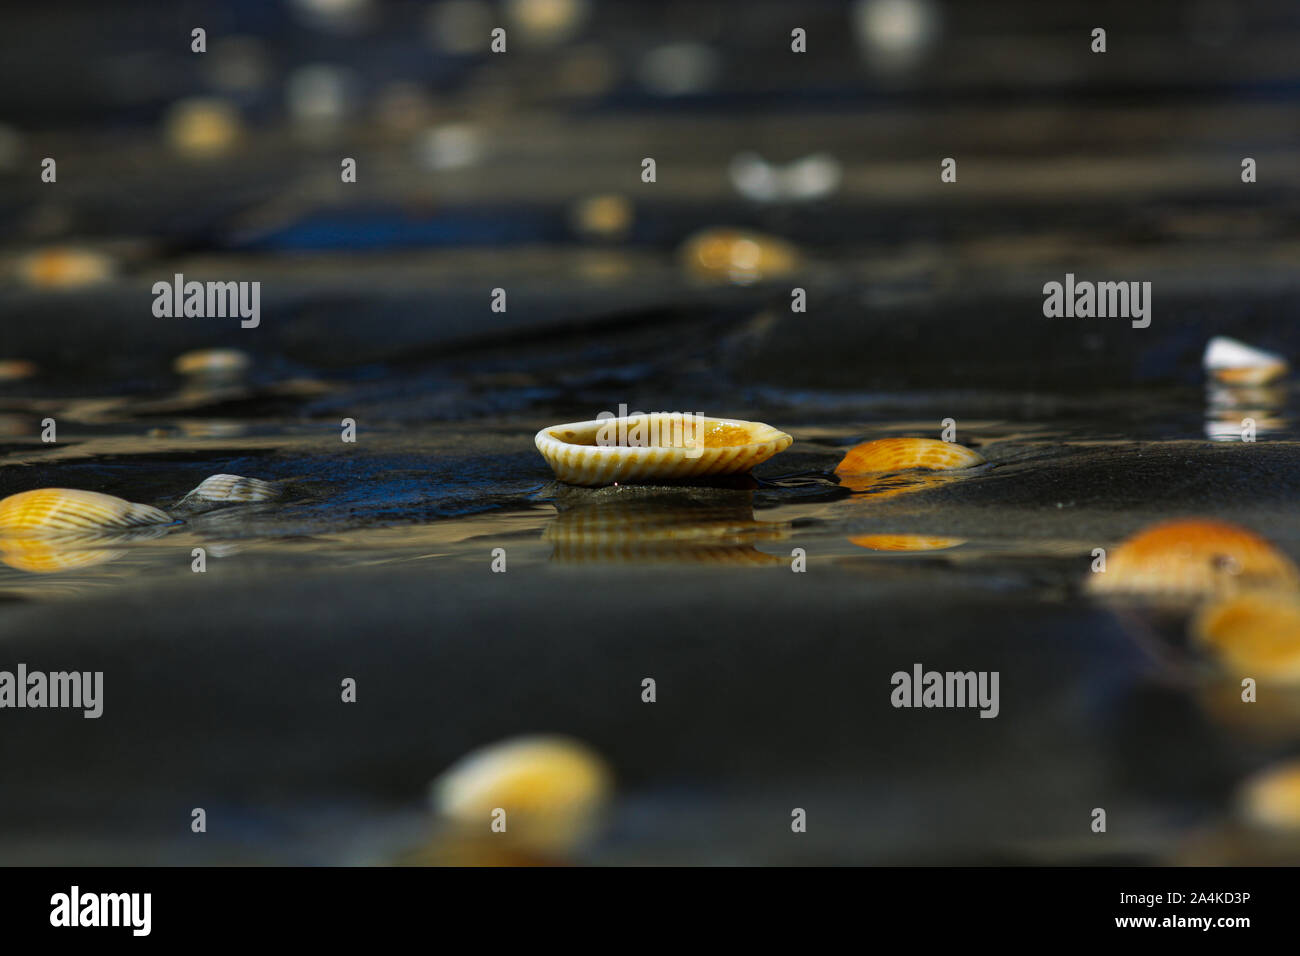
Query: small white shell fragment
[(70, 511), (233, 488), (551, 789), (1236, 363), (662, 446)]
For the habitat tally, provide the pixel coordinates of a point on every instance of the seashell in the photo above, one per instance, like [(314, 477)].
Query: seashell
[(1271, 799), (900, 454), (551, 788), (212, 362), (70, 511), (1191, 558), (1236, 363), (232, 489), (65, 267), (661, 446), (905, 542), (1256, 633), (739, 256)]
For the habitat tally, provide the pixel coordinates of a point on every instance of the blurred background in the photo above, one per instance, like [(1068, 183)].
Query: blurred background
[(523, 171)]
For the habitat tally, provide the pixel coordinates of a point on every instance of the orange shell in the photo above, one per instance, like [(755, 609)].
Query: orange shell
[(899, 454), (1189, 558), (1257, 633)]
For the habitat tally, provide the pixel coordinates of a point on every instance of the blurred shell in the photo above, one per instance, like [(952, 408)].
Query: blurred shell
[(602, 217), (65, 267), (233, 488), (220, 362), (1236, 363), (662, 446), (13, 370), (810, 178), (62, 511), (551, 788), (904, 542), (1190, 558), (1271, 799), (739, 256), (899, 454), (546, 23), (679, 69), (202, 127), (1257, 634)]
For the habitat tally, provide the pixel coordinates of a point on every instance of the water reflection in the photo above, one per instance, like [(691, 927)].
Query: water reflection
[(1244, 412), (709, 526)]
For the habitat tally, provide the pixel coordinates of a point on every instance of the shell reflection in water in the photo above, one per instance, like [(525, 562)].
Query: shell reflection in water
[(528, 799), (654, 525), (1255, 634), (50, 555), (905, 542), (738, 256), (1189, 559)]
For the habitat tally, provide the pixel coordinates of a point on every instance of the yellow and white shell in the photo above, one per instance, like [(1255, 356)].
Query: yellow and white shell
[(70, 511), (662, 446), (551, 790), (233, 489)]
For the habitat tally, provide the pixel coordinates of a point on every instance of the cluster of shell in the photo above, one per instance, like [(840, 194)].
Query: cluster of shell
[(59, 529)]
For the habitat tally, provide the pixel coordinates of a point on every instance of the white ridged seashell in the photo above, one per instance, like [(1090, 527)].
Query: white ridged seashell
[(1237, 363), (70, 511), (661, 446), (232, 489)]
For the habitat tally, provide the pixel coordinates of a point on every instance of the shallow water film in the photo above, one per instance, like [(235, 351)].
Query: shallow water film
[(299, 303)]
